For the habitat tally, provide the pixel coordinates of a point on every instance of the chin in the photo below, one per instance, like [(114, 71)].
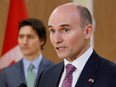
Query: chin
[(26, 54), (62, 56)]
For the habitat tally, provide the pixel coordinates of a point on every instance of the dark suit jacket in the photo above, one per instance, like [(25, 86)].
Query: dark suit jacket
[(14, 75), (98, 72)]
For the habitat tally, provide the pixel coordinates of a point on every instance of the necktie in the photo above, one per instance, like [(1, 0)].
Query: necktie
[(67, 82), (30, 76)]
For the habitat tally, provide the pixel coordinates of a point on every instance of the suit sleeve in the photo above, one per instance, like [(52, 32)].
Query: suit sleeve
[(3, 79), (112, 82)]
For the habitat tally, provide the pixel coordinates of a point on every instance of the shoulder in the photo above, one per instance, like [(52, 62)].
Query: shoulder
[(56, 67), (45, 63), (108, 65), (11, 68), (108, 72), (105, 66), (51, 74), (102, 62)]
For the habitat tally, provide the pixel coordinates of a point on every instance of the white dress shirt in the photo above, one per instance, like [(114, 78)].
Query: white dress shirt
[(79, 63)]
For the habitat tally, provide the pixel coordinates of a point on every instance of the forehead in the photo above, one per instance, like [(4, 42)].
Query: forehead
[(27, 30), (64, 15)]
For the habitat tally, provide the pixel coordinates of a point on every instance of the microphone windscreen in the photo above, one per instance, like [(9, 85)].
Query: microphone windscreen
[(22, 85)]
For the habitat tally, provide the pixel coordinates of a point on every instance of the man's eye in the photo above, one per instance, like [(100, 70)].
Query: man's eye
[(52, 30), (31, 37), (20, 36), (65, 30)]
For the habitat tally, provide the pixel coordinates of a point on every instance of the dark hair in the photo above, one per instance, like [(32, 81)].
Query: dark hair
[(37, 25), (85, 16)]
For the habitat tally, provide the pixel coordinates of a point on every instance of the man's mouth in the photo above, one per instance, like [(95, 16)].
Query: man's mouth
[(60, 48)]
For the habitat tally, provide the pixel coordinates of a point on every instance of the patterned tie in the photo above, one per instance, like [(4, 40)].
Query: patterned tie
[(67, 82), (30, 76)]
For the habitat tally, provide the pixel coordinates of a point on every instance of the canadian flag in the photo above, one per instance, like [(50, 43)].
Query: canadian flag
[(10, 51)]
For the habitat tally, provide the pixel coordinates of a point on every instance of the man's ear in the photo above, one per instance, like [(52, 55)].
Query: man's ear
[(42, 42), (88, 31)]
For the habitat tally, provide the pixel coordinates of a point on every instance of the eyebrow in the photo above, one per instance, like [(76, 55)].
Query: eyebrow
[(60, 25), (64, 25), (49, 26)]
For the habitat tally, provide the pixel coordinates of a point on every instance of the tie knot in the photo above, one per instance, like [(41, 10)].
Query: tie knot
[(70, 68), (31, 67)]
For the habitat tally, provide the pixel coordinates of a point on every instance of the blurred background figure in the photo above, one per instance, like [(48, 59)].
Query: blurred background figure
[(31, 40)]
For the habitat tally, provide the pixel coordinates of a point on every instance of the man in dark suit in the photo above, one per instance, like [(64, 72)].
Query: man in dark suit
[(70, 27), (31, 39)]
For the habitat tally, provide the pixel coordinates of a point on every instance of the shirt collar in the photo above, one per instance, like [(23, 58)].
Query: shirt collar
[(80, 62), (36, 62)]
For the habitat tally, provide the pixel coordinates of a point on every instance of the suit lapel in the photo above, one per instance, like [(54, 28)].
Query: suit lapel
[(45, 64), (89, 73), (20, 72), (23, 78), (42, 67), (57, 74)]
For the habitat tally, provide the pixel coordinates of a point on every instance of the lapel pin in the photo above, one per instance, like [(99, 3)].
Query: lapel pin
[(91, 80)]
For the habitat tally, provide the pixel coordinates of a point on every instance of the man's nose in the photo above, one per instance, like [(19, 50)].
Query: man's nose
[(58, 38), (25, 40)]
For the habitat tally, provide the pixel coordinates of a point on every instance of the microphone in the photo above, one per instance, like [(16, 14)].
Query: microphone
[(22, 85)]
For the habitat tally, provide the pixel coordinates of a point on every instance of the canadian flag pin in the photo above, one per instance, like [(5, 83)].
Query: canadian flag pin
[(91, 80)]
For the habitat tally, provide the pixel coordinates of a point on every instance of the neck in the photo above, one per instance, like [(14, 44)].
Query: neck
[(74, 57), (32, 57)]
